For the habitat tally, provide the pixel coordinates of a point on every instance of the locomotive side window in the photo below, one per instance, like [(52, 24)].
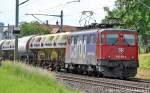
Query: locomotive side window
[(102, 39), (129, 39), (111, 38)]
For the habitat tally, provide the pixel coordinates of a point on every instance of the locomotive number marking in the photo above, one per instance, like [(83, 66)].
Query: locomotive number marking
[(121, 57)]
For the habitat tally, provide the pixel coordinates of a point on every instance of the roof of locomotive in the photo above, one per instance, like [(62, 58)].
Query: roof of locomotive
[(86, 31), (115, 30)]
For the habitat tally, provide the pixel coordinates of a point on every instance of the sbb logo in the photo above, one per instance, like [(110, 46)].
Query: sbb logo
[(121, 50)]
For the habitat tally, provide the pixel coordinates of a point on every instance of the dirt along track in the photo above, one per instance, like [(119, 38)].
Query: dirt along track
[(102, 85)]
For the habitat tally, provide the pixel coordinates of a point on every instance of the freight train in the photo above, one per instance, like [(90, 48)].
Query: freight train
[(106, 52)]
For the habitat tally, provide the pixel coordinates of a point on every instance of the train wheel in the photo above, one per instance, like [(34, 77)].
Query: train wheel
[(75, 69), (69, 68), (99, 74)]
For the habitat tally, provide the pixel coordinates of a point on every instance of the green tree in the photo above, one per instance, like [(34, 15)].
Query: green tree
[(34, 28), (133, 13)]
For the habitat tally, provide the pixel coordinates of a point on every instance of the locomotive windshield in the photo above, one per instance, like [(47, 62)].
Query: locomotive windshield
[(129, 39), (111, 38)]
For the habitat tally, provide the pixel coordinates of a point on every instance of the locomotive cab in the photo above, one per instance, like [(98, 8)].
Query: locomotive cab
[(117, 52)]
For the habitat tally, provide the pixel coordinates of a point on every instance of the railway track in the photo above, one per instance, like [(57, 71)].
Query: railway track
[(139, 80), (102, 85)]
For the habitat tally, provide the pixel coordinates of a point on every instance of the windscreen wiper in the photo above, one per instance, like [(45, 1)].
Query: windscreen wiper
[(126, 42), (115, 42)]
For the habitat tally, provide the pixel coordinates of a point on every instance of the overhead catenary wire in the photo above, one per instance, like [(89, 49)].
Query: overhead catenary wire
[(52, 8), (59, 5)]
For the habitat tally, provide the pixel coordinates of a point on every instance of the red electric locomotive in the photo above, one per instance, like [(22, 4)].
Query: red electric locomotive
[(117, 52)]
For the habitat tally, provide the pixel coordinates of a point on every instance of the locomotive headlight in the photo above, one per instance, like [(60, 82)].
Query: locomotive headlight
[(132, 57), (107, 57)]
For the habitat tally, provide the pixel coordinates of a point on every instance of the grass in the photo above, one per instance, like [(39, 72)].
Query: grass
[(143, 73), (144, 60), (20, 78), (144, 69)]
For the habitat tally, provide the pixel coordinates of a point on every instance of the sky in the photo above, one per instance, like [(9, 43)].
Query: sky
[(72, 11)]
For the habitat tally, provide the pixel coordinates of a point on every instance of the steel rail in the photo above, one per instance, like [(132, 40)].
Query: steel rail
[(125, 88)]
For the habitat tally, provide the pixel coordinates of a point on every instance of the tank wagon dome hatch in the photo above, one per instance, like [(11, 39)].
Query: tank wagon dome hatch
[(23, 44), (8, 45)]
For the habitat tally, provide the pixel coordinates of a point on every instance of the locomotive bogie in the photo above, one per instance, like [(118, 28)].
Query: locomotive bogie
[(117, 69)]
